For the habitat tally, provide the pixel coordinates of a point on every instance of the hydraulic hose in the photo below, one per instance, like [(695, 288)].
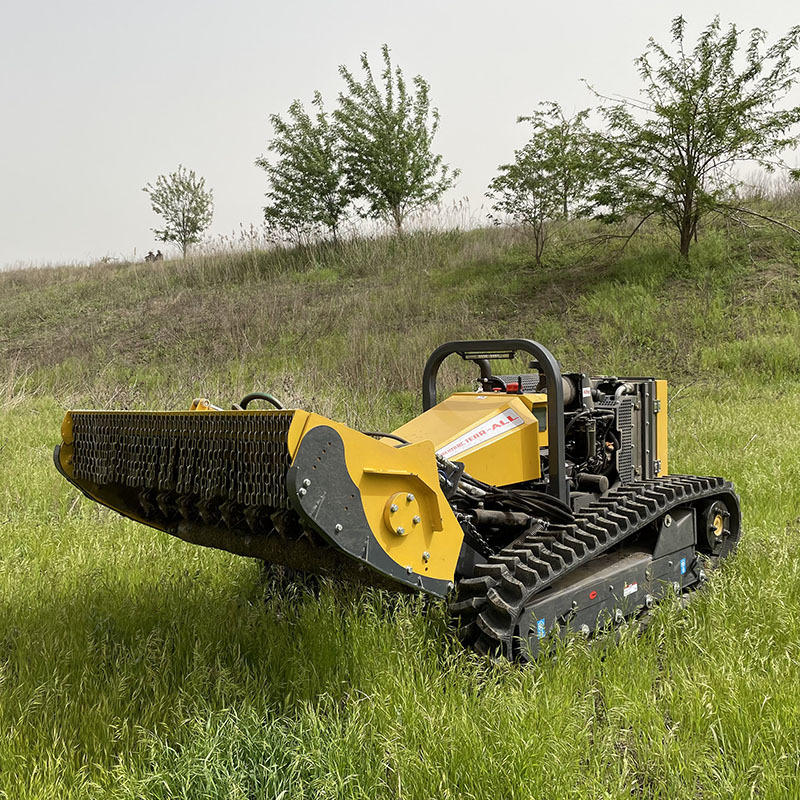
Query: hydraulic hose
[(260, 396)]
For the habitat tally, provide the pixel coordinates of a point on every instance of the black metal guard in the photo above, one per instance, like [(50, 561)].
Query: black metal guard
[(480, 352)]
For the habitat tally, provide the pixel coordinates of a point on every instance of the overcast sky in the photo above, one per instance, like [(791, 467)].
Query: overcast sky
[(97, 98)]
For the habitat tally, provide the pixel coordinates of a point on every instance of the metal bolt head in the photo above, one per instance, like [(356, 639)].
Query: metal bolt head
[(584, 630), (301, 492), (676, 586), (409, 570), (667, 520), (393, 507), (701, 575), (417, 520), (426, 556), (400, 531), (306, 482), (337, 527), (410, 497), (648, 600), (618, 615)]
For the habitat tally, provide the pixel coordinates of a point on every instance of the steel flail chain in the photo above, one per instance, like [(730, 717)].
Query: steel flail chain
[(227, 469)]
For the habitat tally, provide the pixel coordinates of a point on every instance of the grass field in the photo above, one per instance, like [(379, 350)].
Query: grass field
[(134, 665)]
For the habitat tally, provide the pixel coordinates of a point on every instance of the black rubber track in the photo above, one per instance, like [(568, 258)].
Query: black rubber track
[(489, 605)]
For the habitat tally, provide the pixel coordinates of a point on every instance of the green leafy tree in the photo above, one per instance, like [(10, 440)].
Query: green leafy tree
[(550, 179), (387, 130), (186, 206), (308, 196), (703, 113)]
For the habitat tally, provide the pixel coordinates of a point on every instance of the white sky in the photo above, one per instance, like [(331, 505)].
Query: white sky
[(97, 98)]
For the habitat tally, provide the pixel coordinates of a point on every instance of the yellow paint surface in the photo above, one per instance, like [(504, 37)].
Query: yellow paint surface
[(385, 473), (662, 448), (489, 453)]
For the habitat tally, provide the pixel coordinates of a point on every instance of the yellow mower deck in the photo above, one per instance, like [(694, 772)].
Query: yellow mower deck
[(222, 478)]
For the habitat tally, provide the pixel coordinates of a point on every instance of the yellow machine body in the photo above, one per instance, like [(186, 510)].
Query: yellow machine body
[(387, 476), (497, 436)]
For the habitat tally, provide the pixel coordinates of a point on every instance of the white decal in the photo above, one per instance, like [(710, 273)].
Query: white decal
[(630, 588), (498, 424), (587, 392)]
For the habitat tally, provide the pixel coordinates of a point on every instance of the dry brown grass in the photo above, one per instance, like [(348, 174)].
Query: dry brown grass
[(346, 330)]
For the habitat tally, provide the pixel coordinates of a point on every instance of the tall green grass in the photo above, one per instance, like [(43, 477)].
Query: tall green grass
[(133, 665)]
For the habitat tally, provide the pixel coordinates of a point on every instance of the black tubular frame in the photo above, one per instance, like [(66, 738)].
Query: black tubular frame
[(480, 352)]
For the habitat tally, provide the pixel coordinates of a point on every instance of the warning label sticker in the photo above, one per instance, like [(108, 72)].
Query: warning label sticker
[(630, 588), (489, 429)]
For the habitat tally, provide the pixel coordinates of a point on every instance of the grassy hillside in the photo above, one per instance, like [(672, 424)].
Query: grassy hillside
[(134, 665)]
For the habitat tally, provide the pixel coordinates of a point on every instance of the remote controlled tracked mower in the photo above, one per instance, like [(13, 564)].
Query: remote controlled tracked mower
[(541, 502)]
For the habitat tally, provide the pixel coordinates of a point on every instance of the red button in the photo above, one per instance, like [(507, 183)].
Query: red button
[(593, 595)]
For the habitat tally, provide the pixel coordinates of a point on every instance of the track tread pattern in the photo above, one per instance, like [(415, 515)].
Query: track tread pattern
[(489, 607)]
